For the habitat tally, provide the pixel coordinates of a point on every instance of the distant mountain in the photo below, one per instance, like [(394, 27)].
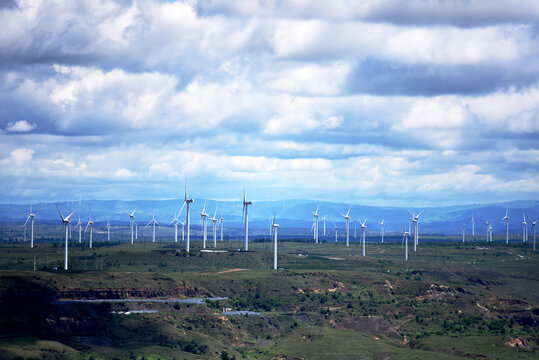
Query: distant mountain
[(296, 214)]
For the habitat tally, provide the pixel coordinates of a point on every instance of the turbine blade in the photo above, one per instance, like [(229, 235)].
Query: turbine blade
[(67, 218), (62, 216)]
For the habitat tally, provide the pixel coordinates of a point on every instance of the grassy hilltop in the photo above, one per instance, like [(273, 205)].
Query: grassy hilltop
[(449, 300)]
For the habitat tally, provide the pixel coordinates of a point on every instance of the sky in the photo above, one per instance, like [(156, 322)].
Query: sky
[(403, 102)]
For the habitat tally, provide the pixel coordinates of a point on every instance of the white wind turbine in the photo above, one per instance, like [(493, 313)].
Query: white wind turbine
[(153, 222), (490, 231), (473, 226), (364, 230), (79, 224), (415, 220), (275, 227), (315, 214), (246, 219), (108, 230), (65, 223), (131, 218), (188, 218), (175, 221), (222, 222), (382, 225), (506, 218), (405, 241), (214, 223), (31, 218), (533, 223), (336, 233), (524, 229), (90, 224), (347, 219), (204, 217)]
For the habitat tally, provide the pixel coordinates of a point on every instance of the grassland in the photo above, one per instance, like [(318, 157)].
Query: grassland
[(448, 301)]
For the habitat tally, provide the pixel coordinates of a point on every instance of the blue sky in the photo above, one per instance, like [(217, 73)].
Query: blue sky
[(369, 102)]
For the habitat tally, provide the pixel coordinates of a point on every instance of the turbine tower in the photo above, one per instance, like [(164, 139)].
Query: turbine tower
[(79, 224), (246, 219), (187, 217), (152, 221), (65, 223), (214, 223), (382, 225), (222, 222), (90, 224), (175, 221), (275, 227), (324, 225), (108, 230), (524, 229), (131, 218), (315, 214), (473, 226), (532, 223), (31, 218), (363, 229), (405, 240), (506, 218), (415, 220), (204, 218), (347, 219), (488, 230), (336, 233), (463, 233)]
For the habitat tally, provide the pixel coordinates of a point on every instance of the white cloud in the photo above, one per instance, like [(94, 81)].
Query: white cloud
[(20, 126)]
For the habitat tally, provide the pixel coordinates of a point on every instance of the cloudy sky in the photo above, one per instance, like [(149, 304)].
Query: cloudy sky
[(370, 102)]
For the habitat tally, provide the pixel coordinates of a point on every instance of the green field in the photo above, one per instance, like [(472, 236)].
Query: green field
[(450, 300)]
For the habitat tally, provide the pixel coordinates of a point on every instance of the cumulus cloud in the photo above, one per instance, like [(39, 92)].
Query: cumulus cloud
[(371, 98), (20, 126)]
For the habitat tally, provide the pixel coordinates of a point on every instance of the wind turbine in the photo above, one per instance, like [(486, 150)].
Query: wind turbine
[(315, 214), (79, 224), (506, 218), (525, 229), (336, 233), (90, 224), (246, 219), (175, 221), (415, 220), (152, 221), (204, 218), (31, 218), (187, 217), (382, 225), (324, 225), (65, 223), (490, 231), (214, 223), (363, 229), (405, 240), (222, 221), (131, 218), (463, 233), (532, 223), (473, 226), (347, 218), (275, 227), (108, 230)]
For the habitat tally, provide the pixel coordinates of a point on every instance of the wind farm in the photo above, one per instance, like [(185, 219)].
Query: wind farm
[(273, 180)]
